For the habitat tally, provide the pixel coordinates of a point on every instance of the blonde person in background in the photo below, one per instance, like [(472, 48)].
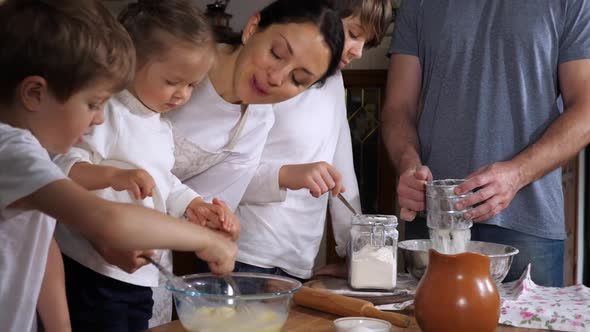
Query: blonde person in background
[(308, 152), (61, 60), (129, 158)]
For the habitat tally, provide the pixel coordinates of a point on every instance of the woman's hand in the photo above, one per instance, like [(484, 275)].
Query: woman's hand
[(319, 178)]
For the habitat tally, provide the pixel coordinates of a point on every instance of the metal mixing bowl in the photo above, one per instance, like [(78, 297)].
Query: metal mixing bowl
[(415, 254), (213, 306)]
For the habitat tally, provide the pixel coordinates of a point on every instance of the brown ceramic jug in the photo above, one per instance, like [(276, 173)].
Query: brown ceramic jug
[(457, 294)]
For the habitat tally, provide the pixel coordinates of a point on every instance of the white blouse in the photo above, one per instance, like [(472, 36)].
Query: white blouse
[(223, 166), (285, 230)]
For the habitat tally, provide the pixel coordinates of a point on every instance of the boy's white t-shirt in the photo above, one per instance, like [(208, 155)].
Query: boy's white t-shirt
[(24, 235)]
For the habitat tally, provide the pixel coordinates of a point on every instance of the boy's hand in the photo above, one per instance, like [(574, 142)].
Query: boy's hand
[(220, 254), (137, 181), (21, 204), (127, 260), (319, 178)]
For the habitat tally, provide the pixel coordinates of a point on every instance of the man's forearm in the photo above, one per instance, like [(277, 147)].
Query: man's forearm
[(400, 113), (401, 139), (563, 139)]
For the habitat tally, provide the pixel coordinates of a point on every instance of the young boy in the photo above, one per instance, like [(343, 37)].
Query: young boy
[(60, 61)]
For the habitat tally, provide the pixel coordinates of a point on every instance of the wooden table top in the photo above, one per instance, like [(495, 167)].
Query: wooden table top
[(305, 320)]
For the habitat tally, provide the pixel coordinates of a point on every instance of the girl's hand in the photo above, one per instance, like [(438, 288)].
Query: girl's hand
[(216, 216), (137, 181), (231, 220)]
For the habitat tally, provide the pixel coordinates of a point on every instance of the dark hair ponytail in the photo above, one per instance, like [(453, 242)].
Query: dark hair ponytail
[(318, 12)]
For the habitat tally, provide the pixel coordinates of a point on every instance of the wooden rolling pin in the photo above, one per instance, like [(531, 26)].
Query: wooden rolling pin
[(341, 305)]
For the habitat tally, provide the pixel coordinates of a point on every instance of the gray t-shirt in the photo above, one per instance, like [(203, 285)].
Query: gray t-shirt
[(490, 88)]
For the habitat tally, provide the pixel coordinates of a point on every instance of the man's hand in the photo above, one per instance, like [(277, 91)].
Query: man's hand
[(137, 181), (498, 183), (411, 191), (319, 178)]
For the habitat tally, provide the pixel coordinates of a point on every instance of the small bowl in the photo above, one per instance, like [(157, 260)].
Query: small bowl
[(213, 307), (415, 254), (361, 324)]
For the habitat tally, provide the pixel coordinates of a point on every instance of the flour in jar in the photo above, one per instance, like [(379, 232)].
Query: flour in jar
[(450, 241), (373, 267)]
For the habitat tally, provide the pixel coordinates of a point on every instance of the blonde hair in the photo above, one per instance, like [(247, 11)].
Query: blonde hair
[(375, 16)]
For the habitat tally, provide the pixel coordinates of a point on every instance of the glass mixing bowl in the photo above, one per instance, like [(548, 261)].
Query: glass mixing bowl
[(263, 305)]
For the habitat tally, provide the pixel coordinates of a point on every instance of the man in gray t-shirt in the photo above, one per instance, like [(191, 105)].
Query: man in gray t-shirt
[(473, 93)]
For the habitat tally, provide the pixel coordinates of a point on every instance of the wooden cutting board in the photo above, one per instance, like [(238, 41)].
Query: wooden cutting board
[(405, 290)]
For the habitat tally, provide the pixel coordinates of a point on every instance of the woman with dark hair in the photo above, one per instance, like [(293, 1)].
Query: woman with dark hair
[(308, 152), (284, 49)]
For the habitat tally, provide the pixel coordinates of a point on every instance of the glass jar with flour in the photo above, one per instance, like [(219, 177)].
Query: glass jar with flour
[(372, 252)]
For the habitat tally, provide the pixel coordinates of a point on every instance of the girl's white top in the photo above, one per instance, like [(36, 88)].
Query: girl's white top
[(131, 137)]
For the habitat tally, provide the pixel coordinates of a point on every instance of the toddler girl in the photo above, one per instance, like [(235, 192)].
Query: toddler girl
[(129, 159)]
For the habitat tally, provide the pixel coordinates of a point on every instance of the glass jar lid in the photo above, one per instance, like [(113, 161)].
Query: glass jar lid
[(374, 220)]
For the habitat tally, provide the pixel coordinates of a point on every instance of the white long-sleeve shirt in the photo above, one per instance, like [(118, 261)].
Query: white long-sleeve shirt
[(209, 122), (285, 230), (131, 137)]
